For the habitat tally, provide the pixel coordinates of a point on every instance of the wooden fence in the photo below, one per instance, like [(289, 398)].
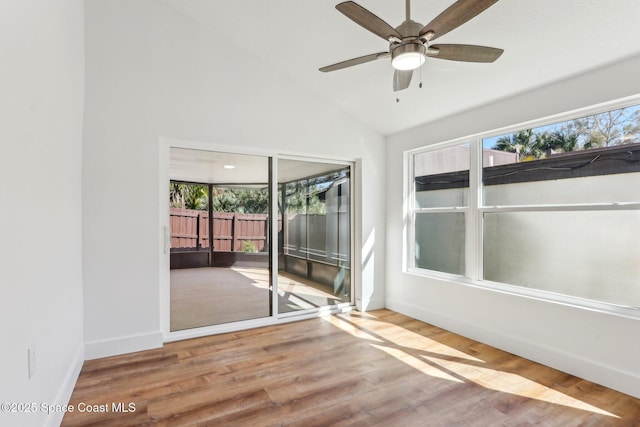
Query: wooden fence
[(231, 230)]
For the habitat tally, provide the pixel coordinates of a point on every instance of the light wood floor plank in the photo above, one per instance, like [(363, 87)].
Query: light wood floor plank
[(358, 369)]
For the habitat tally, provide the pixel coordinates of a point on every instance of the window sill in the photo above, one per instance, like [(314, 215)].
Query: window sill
[(539, 295)]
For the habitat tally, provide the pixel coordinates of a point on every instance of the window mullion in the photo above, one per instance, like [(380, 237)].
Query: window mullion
[(473, 242), (441, 210), (564, 207), (409, 213)]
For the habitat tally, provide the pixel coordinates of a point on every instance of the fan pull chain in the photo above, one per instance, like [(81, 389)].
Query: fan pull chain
[(396, 85), (420, 85)]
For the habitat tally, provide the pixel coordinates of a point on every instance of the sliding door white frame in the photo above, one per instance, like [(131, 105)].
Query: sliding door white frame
[(166, 144)]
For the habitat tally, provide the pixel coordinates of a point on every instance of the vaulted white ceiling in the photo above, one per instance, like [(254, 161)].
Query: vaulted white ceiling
[(544, 41)]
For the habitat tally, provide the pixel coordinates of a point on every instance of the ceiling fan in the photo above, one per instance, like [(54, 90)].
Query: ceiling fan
[(410, 42)]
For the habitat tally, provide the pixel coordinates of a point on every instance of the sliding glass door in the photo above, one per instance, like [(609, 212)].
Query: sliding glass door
[(219, 218), (314, 240), (222, 237)]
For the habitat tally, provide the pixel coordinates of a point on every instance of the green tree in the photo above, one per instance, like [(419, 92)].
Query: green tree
[(606, 129), (240, 200), (253, 201), (524, 143), (188, 196), (560, 140), (304, 197), (318, 186), (225, 201)]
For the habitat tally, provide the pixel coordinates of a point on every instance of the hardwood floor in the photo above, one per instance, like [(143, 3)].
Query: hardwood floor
[(358, 369)]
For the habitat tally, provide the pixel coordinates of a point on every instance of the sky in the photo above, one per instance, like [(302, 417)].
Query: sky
[(489, 143)]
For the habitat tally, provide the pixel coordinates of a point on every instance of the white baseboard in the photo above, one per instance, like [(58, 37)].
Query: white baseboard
[(122, 345), (566, 362), (370, 304), (54, 419)]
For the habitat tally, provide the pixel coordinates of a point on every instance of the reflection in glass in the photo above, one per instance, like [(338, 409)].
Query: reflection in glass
[(314, 263)]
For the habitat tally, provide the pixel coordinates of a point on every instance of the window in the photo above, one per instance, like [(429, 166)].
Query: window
[(551, 210), (441, 180)]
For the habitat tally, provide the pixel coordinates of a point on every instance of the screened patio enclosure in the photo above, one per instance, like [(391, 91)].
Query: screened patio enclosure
[(223, 236), (314, 236)]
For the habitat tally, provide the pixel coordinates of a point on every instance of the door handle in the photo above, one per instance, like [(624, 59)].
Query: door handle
[(167, 239)]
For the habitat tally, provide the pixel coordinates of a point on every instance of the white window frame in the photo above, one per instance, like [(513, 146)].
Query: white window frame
[(412, 210), (476, 210)]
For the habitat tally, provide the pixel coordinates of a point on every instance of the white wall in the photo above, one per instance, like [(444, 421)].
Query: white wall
[(41, 111), (152, 73), (598, 346)]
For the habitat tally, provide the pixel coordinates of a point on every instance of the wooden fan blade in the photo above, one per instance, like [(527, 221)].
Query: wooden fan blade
[(367, 20), (354, 61), (456, 15), (466, 53), (401, 79)]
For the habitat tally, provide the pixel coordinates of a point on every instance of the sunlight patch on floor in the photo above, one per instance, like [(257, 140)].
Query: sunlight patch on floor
[(350, 328), (403, 344), (416, 363), (259, 277), (507, 382), (405, 338)]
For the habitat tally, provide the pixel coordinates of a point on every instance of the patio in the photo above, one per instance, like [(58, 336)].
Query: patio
[(216, 295)]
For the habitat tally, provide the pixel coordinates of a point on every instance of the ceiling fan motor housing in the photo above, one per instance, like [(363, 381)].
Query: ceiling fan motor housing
[(409, 28)]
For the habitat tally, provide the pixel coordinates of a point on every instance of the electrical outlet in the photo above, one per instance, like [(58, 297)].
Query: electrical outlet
[(31, 359)]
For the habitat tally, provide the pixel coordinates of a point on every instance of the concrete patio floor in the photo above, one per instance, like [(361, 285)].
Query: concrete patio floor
[(216, 295)]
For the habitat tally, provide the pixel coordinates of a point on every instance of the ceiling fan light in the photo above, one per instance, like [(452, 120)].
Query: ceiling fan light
[(408, 56)]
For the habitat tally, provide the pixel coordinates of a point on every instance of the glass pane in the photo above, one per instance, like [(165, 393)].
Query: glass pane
[(440, 242), (592, 189), (593, 159), (295, 220), (227, 204), (442, 177), (589, 254), (189, 217), (315, 238), (240, 219)]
